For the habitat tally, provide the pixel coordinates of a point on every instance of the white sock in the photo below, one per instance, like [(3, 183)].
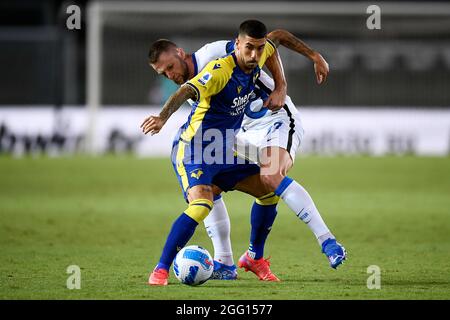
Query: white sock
[(299, 201), (217, 225)]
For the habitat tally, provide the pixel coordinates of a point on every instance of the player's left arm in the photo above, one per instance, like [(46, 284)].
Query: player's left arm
[(154, 124), (288, 40)]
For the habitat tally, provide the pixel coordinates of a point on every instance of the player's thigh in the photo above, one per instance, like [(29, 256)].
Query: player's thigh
[(230, 175), (275, 161), (253, 186)]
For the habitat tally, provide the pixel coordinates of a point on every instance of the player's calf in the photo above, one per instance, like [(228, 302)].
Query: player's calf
[(182, 230)]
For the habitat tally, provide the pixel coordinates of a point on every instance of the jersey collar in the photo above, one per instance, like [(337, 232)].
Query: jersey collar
[(194, 60)]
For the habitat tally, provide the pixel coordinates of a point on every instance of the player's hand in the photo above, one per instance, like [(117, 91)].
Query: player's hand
[(276, 99), (321, 68), (152, 124)]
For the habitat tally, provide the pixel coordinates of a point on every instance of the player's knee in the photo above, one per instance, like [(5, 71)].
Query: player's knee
[(200, 192), (199, 209)]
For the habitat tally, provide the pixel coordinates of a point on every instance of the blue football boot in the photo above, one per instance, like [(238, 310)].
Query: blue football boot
[(334, 251), (223, 272)]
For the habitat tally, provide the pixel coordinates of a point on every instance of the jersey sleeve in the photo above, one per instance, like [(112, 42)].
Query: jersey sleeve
[(210, 81), (269, 49), (209, 52)]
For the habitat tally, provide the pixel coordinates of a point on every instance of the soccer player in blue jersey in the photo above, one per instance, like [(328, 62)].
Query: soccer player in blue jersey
[(279, 129), (250, 259), (222, 91)]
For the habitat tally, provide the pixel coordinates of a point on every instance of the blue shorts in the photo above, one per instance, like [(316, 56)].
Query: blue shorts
[(225, 176)]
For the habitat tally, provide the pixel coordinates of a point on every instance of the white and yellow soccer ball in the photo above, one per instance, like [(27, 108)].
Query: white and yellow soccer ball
[(193, 265)]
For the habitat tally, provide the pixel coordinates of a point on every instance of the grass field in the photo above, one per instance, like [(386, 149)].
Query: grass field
[(110, 216)]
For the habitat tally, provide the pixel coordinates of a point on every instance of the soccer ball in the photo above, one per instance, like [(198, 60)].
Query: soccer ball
[(193, 265)]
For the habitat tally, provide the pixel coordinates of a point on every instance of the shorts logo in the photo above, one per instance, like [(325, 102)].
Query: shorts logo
[(275, 126), (239, 89), (205, 78), (196, 173)]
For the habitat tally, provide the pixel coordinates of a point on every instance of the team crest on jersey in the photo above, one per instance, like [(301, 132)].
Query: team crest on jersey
[(255, 77), (217, 66), (196, 173), (205, 78), (239, 89)]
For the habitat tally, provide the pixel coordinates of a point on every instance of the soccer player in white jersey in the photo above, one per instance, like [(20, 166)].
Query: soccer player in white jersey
[(273, 128)]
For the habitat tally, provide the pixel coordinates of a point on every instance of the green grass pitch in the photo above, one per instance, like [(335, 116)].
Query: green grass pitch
[(111, 215)]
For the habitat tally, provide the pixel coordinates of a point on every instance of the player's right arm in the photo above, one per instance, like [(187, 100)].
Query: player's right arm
[(154, 124), (210, 81)]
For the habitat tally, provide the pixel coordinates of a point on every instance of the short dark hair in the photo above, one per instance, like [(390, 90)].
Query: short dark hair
[(158, 47), (253, 28)]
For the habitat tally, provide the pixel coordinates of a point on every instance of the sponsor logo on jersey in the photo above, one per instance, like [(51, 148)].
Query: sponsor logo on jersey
[(241, 101), (239, 104)]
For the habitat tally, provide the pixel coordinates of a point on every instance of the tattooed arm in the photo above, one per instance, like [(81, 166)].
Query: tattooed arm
[(153, 124), (288, 40)]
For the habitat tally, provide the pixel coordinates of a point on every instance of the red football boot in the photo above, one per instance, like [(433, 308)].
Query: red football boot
[(159, 277), (260, 267)]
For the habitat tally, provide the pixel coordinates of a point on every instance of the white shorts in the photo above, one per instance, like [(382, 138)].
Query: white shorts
[(282, 129)]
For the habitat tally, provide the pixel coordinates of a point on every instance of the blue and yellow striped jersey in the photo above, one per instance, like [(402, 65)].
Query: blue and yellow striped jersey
[(223, 91)]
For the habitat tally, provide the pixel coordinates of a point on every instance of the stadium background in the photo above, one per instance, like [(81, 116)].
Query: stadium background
[(80, 185)]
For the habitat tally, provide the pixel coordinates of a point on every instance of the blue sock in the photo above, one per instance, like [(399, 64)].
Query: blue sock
[(182, 230), (262, 218), (283, 185)]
